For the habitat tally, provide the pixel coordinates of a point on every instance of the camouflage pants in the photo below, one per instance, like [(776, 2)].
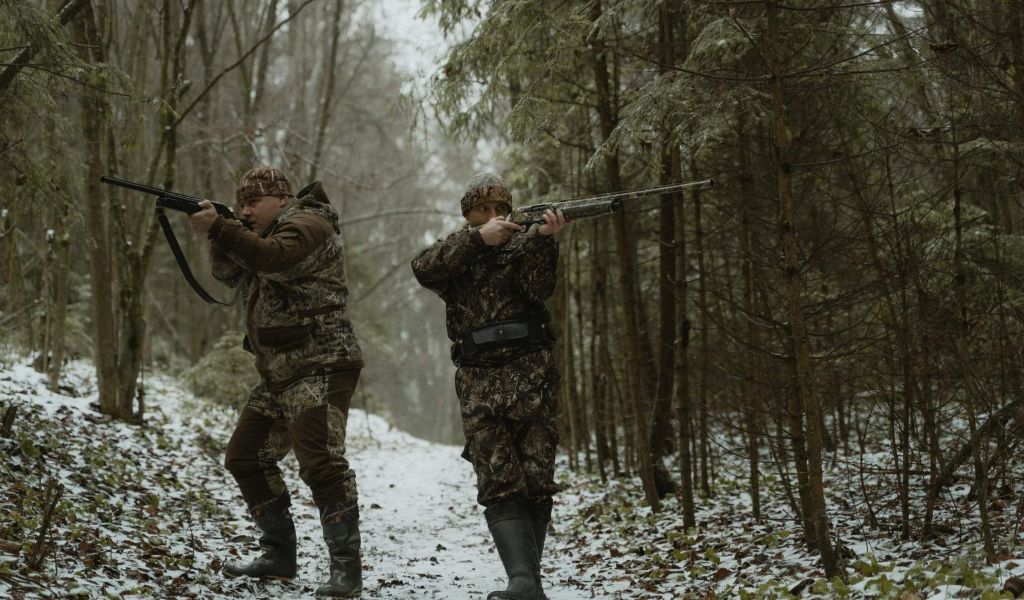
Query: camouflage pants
[(308, 417), (508, 417)]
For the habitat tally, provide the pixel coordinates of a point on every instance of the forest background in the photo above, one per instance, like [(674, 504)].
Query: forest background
[(850, 286)]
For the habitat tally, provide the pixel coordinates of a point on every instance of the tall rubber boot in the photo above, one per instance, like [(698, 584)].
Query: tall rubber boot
[(540, 515), (341, 532), (512, 530), (277, 542)]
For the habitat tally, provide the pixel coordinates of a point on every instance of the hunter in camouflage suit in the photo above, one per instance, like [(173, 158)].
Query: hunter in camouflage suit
[(494, 277), (291, 268)]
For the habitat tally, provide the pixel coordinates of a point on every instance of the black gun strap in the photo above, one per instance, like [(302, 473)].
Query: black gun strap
[(183, 263)]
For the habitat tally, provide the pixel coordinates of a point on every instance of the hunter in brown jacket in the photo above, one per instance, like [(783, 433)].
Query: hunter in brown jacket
[(291, 267)]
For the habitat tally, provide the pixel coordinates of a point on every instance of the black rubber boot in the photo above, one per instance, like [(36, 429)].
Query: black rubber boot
[(512, 529), (341, 532), (540, 515), (277, 542)]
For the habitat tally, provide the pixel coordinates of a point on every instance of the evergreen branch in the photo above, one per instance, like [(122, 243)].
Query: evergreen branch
[(797, 8), (43, 67), (705, 75), (844, 158), (761, 78), (10, 71), (812, 70)]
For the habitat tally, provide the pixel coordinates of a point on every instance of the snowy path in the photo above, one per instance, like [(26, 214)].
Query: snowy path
[(423, 533), (151, 512)]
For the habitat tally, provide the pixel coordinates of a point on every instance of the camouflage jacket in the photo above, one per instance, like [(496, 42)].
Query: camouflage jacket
[(482, 285), (295, 289)]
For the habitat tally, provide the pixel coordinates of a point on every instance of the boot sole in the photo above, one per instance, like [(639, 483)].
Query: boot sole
[(352, 594)]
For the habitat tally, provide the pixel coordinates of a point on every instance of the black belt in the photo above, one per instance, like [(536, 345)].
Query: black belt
[(498, 335)]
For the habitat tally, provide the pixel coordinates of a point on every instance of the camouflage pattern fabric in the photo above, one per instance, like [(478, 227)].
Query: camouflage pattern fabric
[(262, 181), (482, 284), (308, 417), (485, 187), (506, 394), (508, 417), (296, 290)]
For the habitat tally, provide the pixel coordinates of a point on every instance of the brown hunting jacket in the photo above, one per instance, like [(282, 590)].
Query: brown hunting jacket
[(483, 285), (295, 288)]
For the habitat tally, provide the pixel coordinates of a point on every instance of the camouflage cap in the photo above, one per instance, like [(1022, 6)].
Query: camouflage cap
[(263, 181), (486, 187)]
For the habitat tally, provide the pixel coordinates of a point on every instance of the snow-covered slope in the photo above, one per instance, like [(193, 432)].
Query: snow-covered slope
[(150, 510)]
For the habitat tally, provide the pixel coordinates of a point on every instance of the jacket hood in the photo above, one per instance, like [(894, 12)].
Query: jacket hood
[(312, 198)]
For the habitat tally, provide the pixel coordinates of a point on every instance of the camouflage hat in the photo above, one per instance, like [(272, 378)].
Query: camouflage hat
[(263, 181), (486, 187)]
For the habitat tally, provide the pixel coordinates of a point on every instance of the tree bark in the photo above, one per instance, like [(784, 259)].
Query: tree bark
[(58, 318), (748, 397), (585, 382), (817, 521), (627, 270), (702, 306), (661, 429), (324, 108), (599, 376), (93, 111)]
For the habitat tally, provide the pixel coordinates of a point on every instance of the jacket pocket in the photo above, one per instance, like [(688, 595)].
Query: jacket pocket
[(284, 337)]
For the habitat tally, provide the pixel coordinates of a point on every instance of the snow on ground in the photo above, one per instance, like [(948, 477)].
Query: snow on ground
[(166, 520), (148, 511)]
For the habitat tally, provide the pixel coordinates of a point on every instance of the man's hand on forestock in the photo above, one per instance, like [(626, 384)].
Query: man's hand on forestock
[(497, 231), (202, 221), (553, 223)]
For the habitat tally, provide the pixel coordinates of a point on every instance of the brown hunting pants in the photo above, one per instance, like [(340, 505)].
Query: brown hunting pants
[(308, 417)]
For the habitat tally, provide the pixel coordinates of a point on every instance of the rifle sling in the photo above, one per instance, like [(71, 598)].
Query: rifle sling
[(179, 256)]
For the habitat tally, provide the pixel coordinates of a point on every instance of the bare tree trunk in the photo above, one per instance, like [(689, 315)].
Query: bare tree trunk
[(136, 261), (260, 85), (748, 398), (324, 110), (569, 397), (661, 428), (798, 442), (817, 521), (42, 364), (93, 110), (627, 270), (58, 318), (14, 279), (585, 382), (962, 350), (682, 366), (702, 307), (597, 341), (1015, 20)]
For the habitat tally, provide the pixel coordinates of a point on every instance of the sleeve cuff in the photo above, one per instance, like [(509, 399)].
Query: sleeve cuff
[(215, 228)]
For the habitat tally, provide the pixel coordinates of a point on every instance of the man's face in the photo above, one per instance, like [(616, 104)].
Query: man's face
[(261, 210), (485, 211)]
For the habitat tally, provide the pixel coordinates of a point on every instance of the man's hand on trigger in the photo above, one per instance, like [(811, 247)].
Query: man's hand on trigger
[(202, 221), (553, 223), (497, 231)]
